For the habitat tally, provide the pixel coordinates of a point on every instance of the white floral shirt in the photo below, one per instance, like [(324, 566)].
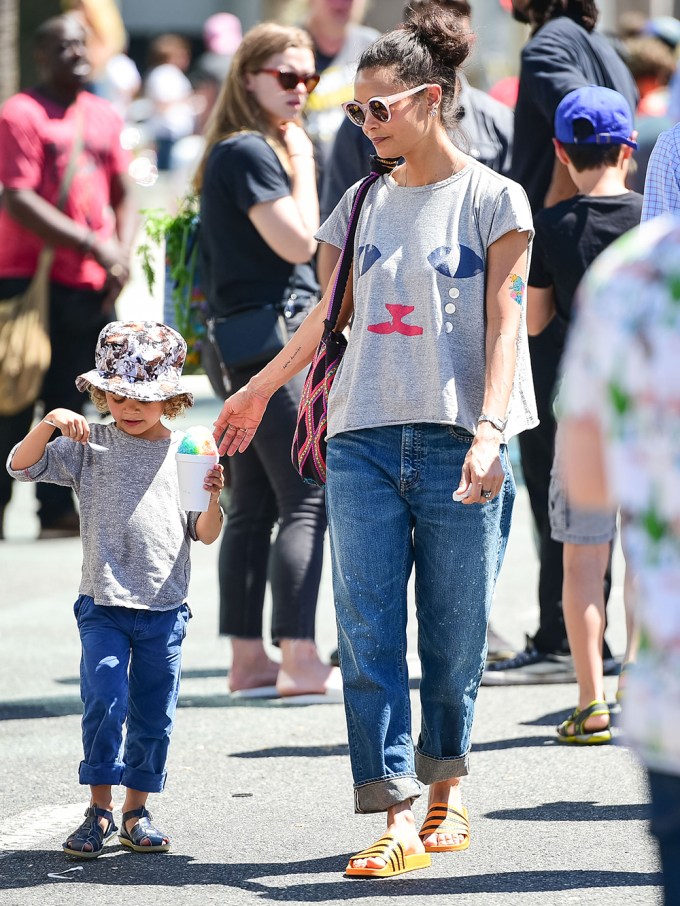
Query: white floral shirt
[(622, 366)]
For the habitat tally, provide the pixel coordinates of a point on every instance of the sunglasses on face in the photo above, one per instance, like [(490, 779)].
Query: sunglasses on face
[(289, 80), (379, 108)]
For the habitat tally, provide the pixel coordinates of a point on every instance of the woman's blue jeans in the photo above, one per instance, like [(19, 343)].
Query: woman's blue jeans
[(129, 676), (389, 506)]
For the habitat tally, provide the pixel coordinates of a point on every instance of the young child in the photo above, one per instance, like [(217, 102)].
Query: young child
[(131, 610), (594, 139)]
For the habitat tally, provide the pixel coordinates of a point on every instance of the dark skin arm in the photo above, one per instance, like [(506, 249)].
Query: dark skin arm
[(36, 214)]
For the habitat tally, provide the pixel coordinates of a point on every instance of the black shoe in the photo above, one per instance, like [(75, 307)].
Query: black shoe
[(66, 526), (530, 667)]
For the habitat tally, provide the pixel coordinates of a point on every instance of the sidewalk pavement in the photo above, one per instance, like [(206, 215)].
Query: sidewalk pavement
[(258, 800)]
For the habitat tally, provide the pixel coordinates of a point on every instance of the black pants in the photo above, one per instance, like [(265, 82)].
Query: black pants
[(266, 491), (75, 321), (665, 793), (537, 448)]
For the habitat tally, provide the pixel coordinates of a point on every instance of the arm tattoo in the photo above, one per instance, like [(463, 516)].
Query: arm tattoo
[(517, 288)]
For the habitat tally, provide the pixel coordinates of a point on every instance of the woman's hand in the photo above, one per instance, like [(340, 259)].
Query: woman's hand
[(71, 424), (237, 423), (482, 476), (296, 140)]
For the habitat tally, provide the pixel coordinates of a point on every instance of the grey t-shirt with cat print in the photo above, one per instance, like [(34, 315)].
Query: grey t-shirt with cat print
[(416, 350)]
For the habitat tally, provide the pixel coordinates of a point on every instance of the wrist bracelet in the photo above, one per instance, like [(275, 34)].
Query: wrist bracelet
[(308, 156)]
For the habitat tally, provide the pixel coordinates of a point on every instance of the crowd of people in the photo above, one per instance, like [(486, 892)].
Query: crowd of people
[(501, 286)]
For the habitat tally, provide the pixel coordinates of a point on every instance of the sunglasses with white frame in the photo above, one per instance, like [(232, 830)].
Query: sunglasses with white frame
[(378, 107)]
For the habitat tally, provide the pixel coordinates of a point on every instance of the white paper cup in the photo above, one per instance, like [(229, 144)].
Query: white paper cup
[(191, 471)]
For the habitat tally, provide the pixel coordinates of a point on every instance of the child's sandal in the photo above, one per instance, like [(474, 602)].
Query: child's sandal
[(143, 830), (90, 833)]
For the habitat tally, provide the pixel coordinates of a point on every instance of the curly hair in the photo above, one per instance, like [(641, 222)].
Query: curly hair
[(173, 408), (584, 12)]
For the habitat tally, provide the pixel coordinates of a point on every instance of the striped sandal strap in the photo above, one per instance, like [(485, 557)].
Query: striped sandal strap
[(387, 848), (579, 718), (444, 819)]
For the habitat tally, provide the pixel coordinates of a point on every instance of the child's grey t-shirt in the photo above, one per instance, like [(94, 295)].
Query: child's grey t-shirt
[(135, 536), (416, 349)]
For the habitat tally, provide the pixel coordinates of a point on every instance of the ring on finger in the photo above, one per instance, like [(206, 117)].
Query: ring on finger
[(487, 495)]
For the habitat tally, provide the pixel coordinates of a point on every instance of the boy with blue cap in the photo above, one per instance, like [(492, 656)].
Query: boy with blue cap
[(594, 139)]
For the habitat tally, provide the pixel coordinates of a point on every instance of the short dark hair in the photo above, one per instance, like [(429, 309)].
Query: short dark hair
[(46, 31), (591, 157), (584, 12)]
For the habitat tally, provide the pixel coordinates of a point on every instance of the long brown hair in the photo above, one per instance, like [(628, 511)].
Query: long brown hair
[(236, 109)]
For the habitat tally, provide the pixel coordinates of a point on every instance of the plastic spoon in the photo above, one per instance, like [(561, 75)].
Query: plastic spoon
[(96, 448)]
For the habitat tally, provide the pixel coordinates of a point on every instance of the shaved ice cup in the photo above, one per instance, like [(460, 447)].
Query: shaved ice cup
[(191, 471)]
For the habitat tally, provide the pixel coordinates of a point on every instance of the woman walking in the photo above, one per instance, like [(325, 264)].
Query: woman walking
[(434, 382), (259, 213)]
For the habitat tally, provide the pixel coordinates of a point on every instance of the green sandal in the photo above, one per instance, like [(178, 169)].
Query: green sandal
[(581, 736)]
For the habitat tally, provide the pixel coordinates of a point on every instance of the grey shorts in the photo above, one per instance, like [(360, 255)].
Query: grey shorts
[(572, 525)]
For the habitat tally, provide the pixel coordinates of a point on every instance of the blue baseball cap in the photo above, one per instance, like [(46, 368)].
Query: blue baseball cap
[(607, 112)]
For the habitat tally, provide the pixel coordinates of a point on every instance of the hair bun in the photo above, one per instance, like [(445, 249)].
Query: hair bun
[(441, 31)]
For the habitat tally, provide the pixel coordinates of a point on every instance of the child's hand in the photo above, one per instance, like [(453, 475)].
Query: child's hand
[(214, 482), (71, 424)]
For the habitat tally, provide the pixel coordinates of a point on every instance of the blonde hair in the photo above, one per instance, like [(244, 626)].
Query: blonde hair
[(173, 408), (236, 109)]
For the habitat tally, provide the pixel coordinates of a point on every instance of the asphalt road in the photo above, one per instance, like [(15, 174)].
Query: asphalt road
[(258, 800)]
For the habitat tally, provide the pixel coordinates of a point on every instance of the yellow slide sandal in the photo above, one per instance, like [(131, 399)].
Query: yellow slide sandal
[(442, 818), (392, 852)]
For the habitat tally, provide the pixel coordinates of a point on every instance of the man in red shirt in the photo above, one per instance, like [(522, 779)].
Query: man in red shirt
[(41, 130)]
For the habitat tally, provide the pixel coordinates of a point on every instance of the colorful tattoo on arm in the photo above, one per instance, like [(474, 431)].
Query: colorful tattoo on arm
[(517, 288)]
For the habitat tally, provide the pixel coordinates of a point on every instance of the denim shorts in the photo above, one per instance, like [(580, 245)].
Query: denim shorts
[(570, 524)]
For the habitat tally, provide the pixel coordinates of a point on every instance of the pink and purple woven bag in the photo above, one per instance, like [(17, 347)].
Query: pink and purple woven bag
[(309, 442)]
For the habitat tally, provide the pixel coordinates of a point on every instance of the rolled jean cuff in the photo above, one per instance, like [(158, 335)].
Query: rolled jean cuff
[(100, 774), (431, 770), (379, 795), (144, 781)]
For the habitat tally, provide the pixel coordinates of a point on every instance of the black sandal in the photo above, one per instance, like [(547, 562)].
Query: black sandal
[(143, 830), (90, 833)]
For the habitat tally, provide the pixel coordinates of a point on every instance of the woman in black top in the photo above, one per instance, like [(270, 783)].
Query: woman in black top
[(259, 214)]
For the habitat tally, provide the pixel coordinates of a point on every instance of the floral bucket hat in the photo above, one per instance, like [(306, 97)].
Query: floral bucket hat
[(139, 359)]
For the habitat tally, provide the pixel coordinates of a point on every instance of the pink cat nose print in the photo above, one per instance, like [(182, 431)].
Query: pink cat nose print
[(396, 325)]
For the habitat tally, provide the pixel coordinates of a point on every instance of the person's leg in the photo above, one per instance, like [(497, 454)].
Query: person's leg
[(103, 688), (458, 554), (584, 569), (155, 667), (76, 318), (243, 570), (296, 556), (372, 556), (12, 427), (537, 449), (665, 825)]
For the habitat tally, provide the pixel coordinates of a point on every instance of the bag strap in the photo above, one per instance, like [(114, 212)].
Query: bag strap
[(379, 166), (72, 165)]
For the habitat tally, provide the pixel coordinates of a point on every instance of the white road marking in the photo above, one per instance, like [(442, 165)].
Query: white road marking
[(32, 827)]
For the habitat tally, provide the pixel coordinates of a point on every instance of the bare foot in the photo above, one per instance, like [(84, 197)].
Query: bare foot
[(251, 667), (401, 824), (447, 791), (302, 671)]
